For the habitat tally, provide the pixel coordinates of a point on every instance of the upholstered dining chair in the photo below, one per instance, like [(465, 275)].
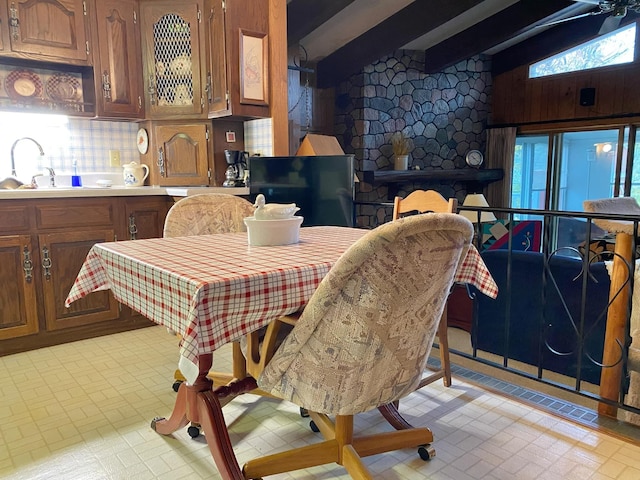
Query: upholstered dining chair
[(363, 340), (207, 214), (422, 201)]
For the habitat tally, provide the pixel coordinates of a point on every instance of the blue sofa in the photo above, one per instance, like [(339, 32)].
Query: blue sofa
[(543, 324)]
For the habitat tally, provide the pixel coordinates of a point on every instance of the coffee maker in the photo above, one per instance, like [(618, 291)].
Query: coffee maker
[(237, 169)]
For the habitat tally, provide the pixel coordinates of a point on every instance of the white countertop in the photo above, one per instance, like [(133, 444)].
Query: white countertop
[(188, 191), (116, 191)]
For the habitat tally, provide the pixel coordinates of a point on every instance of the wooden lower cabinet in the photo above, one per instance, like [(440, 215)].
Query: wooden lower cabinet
[(61, 256), (41, 260), (19, 312), (145, 217)]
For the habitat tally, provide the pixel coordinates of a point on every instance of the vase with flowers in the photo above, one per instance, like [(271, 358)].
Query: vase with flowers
[(401, 145)]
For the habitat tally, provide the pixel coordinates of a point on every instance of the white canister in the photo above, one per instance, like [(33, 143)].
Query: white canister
[(134, 174)]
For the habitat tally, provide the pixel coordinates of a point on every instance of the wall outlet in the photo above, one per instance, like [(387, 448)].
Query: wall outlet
[(114, 158)]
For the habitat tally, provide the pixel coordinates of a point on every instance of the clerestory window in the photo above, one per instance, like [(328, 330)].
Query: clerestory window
[(614, 48)]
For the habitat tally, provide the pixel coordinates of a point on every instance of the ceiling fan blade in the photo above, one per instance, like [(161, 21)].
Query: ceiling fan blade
[(562, 20), (610, 24)]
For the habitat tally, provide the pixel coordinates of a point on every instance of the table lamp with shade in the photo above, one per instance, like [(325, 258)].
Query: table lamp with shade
[(476, 200)]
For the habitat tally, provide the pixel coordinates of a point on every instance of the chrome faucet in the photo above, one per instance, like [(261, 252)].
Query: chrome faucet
[(13, 160), (52, 178)]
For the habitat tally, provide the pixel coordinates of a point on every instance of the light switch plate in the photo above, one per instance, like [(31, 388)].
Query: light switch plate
[(114, 158)]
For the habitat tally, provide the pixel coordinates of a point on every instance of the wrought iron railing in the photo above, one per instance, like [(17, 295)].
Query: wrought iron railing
[(559, 339), (566, 304)]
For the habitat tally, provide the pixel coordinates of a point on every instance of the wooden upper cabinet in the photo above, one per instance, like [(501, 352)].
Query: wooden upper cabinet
[(4, 27), (237, 58), (53, 30), (172, 36), (182, 153), (118, 62), (217, 86)]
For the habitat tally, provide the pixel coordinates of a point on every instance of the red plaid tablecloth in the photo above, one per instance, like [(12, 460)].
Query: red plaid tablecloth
[(214, 289)]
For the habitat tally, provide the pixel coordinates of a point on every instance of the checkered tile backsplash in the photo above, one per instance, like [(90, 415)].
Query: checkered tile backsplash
[(66, 140), (91, 140)]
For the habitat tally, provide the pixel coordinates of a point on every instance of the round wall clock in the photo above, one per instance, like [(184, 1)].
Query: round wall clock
[(142, 139), (474, 158)]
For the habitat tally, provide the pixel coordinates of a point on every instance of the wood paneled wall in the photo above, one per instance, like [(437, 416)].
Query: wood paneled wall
[(518, 99)]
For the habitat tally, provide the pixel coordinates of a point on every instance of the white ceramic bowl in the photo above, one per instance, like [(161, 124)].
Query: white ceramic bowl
[(282, 231)]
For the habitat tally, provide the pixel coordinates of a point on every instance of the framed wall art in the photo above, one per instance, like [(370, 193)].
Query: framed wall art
[(253, 68)]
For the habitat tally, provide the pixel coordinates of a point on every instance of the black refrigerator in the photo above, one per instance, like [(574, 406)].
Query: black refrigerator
[(322, 186)]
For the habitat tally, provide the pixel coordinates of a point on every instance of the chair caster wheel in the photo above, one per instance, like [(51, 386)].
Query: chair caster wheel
[(313, 426), (304, 413), (193, 431), (426, 452), (176, 385)]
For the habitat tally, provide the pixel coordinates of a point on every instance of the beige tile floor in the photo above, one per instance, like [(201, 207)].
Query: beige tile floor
[(82, 411)]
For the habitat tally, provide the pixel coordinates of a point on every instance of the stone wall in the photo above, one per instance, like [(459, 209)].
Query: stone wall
[(445, 115)]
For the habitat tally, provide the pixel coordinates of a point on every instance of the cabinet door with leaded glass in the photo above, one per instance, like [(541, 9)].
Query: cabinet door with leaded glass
[(172, 35)]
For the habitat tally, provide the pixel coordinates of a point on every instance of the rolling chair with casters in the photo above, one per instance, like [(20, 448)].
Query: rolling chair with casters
[(363, 340)]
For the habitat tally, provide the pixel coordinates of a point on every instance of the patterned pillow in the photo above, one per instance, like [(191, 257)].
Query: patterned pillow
[(599, 250)]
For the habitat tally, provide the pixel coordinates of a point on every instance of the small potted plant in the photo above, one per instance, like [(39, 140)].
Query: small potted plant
[(401, 145)]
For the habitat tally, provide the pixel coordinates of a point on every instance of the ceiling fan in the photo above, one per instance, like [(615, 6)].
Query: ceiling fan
[(615, 9)]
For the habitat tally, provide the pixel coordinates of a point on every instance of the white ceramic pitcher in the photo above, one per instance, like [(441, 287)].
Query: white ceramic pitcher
[(134, 174)]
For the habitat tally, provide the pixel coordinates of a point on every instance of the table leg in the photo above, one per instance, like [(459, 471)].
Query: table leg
[(198, 403), (391, 415)]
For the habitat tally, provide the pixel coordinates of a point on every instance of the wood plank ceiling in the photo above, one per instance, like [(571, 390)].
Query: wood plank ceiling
[(340, 37)]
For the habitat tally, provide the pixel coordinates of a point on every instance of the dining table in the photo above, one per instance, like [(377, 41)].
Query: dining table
[(215, 289)]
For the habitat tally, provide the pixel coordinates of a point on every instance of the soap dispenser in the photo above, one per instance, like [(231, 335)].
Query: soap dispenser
[(76, 181)]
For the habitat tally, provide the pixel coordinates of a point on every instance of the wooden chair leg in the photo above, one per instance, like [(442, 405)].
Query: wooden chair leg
[(443, 341)]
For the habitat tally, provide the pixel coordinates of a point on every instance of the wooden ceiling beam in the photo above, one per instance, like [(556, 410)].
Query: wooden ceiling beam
[(304, 16), (554, 40), (490, 32), (410, 23)]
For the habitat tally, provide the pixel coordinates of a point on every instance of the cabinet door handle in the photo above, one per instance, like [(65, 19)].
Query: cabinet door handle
[(207, 88), (27, 264), (14, 21), (106, 86), (161, 161), (46, 263), (152, 90), (133, 228)]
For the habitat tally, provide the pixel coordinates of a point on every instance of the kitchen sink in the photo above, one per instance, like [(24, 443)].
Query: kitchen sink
[(10, 183)]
